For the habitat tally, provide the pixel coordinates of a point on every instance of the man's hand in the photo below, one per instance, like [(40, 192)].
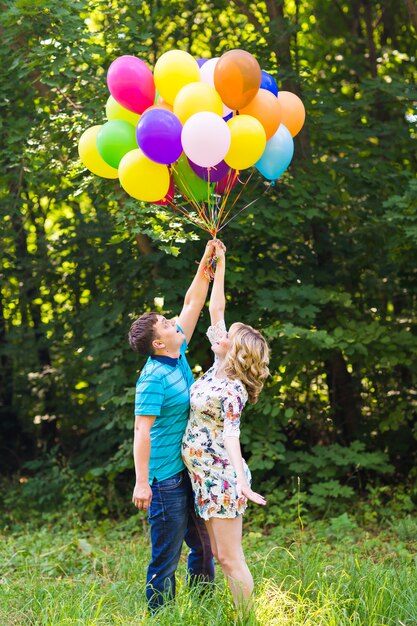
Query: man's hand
[(209, 251), (142, 496)]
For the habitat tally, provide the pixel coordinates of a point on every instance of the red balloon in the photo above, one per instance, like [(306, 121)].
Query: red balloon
[(227, 182), (170, 195)]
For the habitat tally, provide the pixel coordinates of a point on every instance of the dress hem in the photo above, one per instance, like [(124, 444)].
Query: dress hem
[(206, 518)]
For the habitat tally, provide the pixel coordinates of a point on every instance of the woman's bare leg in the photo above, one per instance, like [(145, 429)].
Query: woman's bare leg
[(227, 535), (213, 543)]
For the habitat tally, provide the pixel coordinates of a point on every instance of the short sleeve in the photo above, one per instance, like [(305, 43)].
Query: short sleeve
[(149, 396), (214, 332), (184, 345), (232, 403)]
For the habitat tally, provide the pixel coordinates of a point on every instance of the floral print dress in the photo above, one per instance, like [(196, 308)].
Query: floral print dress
[(216, 405)]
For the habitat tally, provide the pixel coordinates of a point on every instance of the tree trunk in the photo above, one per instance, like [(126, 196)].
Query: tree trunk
[(281, 44), (14, 443), (343, 398), (29, 293), (370, 37), (412, 12)]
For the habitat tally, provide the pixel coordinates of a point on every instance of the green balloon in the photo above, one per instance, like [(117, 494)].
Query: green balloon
[(191, 186), (114, 140)]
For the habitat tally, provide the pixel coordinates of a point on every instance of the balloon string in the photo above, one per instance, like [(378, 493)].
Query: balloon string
[(210, 204), (212, 215), (188, 189), (229, 184), (194, 202), (189, 218), (245, 207), (238, 196), (220, 209)]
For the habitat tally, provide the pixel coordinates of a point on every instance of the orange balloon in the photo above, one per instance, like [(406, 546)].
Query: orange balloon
[(160, 105), (266, 108), (237, 78), (293, 111)]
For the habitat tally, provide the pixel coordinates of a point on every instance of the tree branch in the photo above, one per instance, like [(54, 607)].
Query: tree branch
[(245, 10), (75, 106)]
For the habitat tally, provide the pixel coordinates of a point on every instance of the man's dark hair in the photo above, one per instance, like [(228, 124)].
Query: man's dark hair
[(142, 333)]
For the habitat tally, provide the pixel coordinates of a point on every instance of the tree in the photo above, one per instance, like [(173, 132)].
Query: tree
[(322, 262)]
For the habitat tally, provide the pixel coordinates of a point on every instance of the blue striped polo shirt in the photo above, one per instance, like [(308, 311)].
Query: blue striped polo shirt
[(164, 390)]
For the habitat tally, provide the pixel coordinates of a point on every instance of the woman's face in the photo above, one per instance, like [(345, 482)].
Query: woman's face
[(222, 346)]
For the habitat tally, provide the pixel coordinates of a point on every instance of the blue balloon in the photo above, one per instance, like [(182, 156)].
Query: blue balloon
[(269, 83), (277, 155)]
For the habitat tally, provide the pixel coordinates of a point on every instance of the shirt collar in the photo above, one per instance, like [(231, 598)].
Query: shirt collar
[(169, 360)]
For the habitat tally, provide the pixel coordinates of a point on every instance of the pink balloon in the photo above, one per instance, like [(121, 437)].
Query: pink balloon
[(205, 138), (130, 82)]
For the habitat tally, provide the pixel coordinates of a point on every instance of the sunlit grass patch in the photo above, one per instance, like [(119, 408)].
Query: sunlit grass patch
[(95, 576)]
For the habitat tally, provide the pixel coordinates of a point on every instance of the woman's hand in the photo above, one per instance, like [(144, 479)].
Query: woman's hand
[(243, 489), (220, 248)]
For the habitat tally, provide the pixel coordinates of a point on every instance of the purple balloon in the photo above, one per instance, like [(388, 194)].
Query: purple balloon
[(215, 173), (201, 62), (269, 83), (158, 134)]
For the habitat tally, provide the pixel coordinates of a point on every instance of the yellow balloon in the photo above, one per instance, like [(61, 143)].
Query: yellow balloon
[(115, 111), (197, 97), (248, 142), (173, 70), (90, 157), (142, 178)]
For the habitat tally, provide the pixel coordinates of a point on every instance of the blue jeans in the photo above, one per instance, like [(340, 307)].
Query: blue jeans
[(172, 519)]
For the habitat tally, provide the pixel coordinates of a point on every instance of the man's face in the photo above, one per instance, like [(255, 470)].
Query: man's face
[(167, 336)]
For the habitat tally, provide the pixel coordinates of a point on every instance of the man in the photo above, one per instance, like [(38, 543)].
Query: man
[(162, 405)]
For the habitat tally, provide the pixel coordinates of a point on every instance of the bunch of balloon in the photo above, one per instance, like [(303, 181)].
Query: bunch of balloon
[(181, 135)]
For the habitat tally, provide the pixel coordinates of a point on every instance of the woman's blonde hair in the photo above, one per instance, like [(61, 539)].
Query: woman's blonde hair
[(247, 359)]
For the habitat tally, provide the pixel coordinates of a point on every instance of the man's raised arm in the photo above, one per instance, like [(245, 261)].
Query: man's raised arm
[(196, 295)]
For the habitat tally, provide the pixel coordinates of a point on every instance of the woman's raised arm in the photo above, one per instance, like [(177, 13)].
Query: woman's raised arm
[(217, 298)]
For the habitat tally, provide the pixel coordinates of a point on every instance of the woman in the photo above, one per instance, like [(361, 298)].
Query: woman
[(211, 448)]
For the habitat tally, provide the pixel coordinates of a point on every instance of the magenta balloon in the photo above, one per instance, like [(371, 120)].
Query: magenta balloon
[(215, 173), (130, 82), (158, 134)]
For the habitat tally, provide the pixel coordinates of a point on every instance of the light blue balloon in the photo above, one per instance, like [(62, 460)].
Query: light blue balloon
[(277, 155)]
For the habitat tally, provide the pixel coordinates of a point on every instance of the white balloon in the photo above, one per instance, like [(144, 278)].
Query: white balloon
[(206, 138), (207, 71)]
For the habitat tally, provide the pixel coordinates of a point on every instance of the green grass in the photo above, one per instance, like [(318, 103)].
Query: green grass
[(332, 574)]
